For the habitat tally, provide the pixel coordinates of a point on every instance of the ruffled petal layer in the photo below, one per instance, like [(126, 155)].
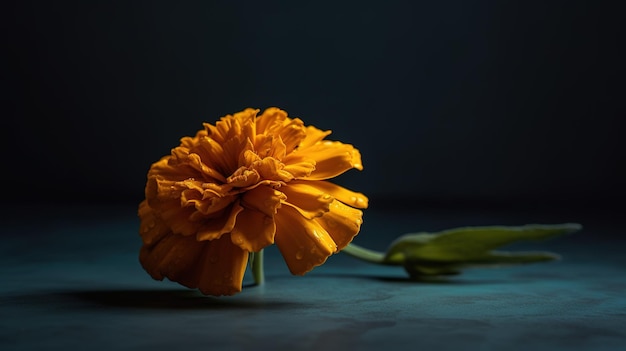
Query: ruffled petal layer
[(270, 121), (223, 267), (310, 201), (342, 223), (264, 199), (332, 158), (313, 135), (215, 267), (151, 227), (253, 231), (230, 126), (301, 169), (348, 197), (163, 196), (216, 227), (303, 243), (174, 257)]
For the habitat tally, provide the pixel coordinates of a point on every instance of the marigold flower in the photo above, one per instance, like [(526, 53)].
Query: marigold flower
[(247, 182)]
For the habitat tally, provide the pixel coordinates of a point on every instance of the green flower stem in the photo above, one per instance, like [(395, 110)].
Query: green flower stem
[(258, 274), (364, 254)]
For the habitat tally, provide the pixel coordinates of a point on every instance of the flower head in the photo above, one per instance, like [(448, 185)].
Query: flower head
[(247, 182)]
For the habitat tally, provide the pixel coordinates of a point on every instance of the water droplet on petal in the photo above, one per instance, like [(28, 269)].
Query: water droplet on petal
[(299, 255), (317, 235)]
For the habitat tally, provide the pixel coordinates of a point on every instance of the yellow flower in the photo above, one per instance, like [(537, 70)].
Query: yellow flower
[(248, 182)]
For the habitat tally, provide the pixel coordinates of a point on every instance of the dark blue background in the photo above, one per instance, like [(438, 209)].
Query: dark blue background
[(450, 102)]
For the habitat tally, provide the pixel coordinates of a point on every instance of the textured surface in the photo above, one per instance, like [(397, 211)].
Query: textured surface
[(71, 280)]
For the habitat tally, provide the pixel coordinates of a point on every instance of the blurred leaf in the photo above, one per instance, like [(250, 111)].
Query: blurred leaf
[(447, 252)]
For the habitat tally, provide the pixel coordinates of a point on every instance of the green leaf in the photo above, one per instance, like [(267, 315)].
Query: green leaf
[(449, 251)]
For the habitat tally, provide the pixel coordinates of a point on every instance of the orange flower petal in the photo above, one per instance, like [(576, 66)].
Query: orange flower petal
[(278, 149), (243, 178), (340, 193), (271, 168), (159, 189), (211, 153), (263, 145), (255, 226), (342, 223), (263, 199), (209, 173), (233, 148), (292, 133), (208, 208), (332, 158), (248, 123), (223, 266), (216, 267), (151, 228), (301, 169), (253, 231), (172, 256), (230, 126), (270, 120), (163, 168), (193, 162), (310, 201), (303, 243), (313, 135), (164, 199), (220, 225)]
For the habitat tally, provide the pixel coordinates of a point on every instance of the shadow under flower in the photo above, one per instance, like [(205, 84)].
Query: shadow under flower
[(438, 280), (174, 299)]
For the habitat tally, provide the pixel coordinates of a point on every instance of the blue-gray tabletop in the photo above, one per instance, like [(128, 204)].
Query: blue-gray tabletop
[(71, 280)]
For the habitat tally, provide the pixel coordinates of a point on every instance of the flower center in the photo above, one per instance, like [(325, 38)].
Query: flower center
[(257, 169)]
